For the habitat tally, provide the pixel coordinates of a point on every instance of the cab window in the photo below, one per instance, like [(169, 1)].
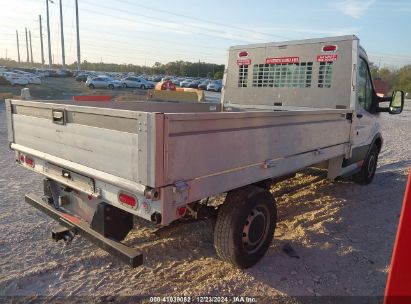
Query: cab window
[(364, 86)]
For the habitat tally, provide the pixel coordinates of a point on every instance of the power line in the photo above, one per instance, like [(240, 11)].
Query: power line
[(156, 9)]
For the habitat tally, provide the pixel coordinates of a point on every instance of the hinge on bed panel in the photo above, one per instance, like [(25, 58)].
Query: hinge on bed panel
[(269, 163), (181, 186), (318, 152), (180, 191)]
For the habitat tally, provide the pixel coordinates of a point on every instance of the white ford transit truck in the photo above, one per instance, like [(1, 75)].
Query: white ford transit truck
[(285, 106)]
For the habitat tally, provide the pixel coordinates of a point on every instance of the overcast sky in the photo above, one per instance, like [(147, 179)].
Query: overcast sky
[(142, 32)]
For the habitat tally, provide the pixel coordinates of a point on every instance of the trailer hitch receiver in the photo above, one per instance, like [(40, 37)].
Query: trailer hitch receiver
[(60, 232)]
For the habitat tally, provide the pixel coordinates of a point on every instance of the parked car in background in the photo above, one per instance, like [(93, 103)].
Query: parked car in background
[(136, 82), (82, 77), (203, 85), (177, 81), (194, 84), (186, 82), (155, 78), (32, 78), (103, 82), (215, 86), (166, 78), (14, 78), (41, 73)]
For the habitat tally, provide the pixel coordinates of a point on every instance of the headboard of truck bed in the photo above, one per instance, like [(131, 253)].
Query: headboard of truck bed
[(317, 73)]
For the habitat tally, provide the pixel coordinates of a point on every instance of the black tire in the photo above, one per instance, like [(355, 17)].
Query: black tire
[(367, 171), (245, 226), (124, 85), (110, 86), (91, 86), (143, 87)]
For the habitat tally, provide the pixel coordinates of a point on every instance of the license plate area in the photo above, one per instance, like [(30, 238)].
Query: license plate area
[(72, 179)]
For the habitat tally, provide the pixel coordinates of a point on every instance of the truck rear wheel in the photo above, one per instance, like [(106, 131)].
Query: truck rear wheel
[(367, 172), (245, 226)]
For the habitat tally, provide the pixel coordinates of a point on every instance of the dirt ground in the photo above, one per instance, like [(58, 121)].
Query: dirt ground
[(342, 232)]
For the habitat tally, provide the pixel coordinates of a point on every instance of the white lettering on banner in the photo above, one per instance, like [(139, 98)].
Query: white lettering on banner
[(280, 60), (327, 58), (243, 61)]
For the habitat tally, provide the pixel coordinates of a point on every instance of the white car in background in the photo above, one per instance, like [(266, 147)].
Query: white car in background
[(103, 82), (215, 86), (15, 78), (41, 73), (32, 78), (136, 82)]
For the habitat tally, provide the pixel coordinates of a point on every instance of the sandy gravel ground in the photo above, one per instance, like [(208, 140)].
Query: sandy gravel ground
[(342, 232)]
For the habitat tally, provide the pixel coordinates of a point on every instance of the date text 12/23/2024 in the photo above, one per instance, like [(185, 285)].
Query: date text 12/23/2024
[(203, 299)]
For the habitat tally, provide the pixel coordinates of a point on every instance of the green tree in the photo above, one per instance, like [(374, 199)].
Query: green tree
[(218, 75), (403, 79)]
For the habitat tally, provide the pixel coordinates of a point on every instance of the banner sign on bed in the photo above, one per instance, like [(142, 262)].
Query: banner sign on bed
[(280, 60), (243, 61), (327, 58)]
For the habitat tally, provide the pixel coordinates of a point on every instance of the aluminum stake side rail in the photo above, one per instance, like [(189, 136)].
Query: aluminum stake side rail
[(106, 163)]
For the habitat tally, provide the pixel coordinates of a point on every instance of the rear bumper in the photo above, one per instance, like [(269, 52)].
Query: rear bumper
[(126, 254)]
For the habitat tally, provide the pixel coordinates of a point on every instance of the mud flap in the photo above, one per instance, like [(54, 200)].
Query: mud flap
[(112, 222)]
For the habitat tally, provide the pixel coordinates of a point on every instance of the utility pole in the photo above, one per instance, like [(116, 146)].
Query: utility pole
[(18, 46), (27, 46), (6, 54), (41, 42), (48, 31), (63, 56), (198, 68), (78, 38), (31, 49)]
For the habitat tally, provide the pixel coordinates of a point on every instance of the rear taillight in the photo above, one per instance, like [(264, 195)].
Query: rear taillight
[(21, 158), (29, 161), (127, 199), (181, 211)]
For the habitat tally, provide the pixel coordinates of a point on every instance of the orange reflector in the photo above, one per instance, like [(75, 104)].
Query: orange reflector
[(127, 200)]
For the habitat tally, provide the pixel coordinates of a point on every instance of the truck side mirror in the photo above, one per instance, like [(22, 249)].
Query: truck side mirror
[(397, 102)]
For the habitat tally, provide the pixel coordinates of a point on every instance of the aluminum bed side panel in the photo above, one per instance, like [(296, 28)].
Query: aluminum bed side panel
[(193, 152), (121, 146)]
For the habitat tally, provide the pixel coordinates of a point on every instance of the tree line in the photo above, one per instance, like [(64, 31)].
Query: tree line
[(178, 68), (398, 79)]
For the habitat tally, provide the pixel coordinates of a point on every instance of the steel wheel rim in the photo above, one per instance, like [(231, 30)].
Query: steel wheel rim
[(255, 229)]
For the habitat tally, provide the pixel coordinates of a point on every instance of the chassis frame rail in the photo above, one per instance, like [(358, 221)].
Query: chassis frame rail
[(126, 254)]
